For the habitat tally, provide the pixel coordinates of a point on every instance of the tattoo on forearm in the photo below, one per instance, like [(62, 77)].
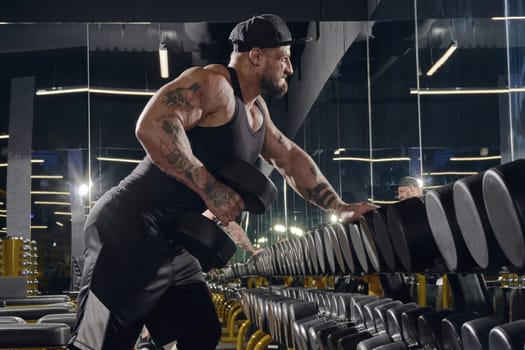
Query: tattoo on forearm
[(179, 160), (315, 192), (329, 201), (177, 97), (217, 196), (324, 199)]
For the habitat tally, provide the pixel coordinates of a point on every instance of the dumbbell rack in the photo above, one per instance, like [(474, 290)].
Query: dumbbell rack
[(19, 258), (464, 233)]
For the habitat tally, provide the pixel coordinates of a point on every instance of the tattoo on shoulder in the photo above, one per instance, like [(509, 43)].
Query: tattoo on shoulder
[(281, 139), (314, 171), (181, 97)]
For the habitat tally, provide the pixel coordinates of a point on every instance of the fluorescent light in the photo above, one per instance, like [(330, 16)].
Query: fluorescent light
[(51, 192), (465, 91), (47, 177), (338, 151), (466, 159), (95, 90), (3, 137), (43, 227), (378, 201), (508, 17), (51, 203), (117, 91), (62, 90), (3, 165), (445, 173), (370, 160), (59, 223), (62, 213), (121, 160), (453, 46), (163, 60), (262, 240)]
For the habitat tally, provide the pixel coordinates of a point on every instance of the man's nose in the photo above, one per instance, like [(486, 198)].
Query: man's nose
[(289, 68)]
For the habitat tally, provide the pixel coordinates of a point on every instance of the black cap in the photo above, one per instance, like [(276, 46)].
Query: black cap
[(262, 31)]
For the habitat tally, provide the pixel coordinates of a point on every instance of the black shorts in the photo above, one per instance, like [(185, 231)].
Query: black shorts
[(132, 276)]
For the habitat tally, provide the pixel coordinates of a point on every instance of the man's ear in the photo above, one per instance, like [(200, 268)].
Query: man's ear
[(255, 56)]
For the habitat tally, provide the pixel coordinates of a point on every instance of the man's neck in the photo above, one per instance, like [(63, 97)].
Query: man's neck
[(249, 86)]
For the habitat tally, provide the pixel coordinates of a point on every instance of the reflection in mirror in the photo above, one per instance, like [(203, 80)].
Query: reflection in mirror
[(515, 22), (462, 94), (395, 136)]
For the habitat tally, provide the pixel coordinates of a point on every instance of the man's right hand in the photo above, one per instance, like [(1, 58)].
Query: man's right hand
[(223, 202)]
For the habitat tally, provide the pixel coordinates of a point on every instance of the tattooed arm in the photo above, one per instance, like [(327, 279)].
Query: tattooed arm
[(161, 129), (303, 175)]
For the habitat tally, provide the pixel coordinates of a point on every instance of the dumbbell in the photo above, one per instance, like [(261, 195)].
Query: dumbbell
[(474, 223), (507, 336), (475, 333), (206, 240), (409, 324), (393, 320), (439, 205), (429, 328), (503, 196), (451, 329)]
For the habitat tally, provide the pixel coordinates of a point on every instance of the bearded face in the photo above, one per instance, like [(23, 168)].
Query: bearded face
[(276, 69), (271, 82)]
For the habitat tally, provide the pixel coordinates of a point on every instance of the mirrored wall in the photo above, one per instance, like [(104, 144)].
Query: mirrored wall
[(422, 88)]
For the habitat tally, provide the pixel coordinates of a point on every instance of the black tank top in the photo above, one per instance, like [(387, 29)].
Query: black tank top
[(153, 191)]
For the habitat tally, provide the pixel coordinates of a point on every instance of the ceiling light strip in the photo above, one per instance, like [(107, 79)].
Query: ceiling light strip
[(445, 173), (379, 201), (95, 90), (120, 160), (441, 61), (47, 177), (376, 160), (503, 18), (470, 159), (51, 203), (462, 91), (52, 193)]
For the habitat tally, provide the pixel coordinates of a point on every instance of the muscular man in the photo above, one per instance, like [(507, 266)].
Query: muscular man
[(135, 272)]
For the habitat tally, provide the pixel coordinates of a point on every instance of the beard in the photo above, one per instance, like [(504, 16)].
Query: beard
[(270, 84)]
